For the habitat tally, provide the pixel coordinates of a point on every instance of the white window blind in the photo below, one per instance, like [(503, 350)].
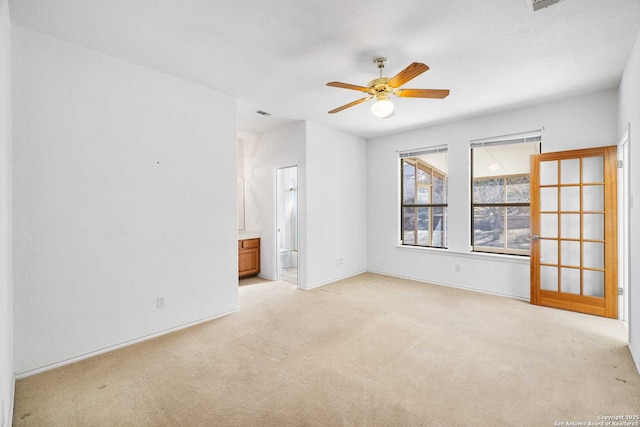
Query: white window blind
[(516, 138), (422, 151)]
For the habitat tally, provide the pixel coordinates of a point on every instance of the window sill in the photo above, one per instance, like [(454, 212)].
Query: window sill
[(516, 259)]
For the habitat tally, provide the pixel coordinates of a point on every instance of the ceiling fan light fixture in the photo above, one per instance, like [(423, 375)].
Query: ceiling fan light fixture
[(382, 108)]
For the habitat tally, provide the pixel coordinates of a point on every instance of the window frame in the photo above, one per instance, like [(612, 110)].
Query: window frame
[(503, 205), (527, 137), (433, 172)]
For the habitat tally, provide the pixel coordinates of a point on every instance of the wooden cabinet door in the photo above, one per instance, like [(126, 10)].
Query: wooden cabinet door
[(248, 257)]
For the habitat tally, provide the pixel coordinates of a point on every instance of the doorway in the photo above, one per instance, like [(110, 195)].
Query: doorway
[(287, 224)]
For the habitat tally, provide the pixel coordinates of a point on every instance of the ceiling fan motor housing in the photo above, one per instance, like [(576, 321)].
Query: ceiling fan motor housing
[(378, 86)]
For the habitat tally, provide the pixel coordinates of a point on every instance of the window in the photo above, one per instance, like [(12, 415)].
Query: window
[(500, 219), (423, 210)]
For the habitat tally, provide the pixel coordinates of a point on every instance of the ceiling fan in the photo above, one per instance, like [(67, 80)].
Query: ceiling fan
[(382, 87)]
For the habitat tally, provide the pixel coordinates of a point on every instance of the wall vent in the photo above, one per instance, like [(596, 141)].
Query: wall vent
[(541, 4)]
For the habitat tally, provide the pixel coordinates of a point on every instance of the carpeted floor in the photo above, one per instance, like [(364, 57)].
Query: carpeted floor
[(366, 351)]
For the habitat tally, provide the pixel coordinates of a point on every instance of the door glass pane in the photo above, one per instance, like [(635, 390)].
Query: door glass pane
[(549, 251), (593, 226), (423, 226), (570, 280), (593, 255), (593, 198), (549, 172), (593, 169), (409, 226), (549, 225), (548, 278), (518, 228), (408, 183), (570, 171), (593, 283), (570, 253), (549, 199), (570, 226), (570, 199)]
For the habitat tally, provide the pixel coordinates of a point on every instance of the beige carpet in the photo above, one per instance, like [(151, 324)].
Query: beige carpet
[(367, 351)]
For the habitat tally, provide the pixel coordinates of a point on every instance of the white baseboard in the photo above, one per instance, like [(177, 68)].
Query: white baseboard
[(451, 285), (24, 374), (308, 288), (634, 356)]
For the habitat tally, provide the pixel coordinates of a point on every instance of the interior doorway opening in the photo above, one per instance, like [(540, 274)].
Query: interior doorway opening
[(287, 224)]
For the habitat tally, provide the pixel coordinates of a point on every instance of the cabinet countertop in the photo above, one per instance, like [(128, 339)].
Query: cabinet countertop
[(248, 234)]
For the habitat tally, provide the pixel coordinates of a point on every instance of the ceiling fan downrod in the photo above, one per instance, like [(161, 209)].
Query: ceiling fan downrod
[(381, 63)]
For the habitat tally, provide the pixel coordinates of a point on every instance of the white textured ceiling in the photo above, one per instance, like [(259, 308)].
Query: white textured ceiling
[(277, 55)]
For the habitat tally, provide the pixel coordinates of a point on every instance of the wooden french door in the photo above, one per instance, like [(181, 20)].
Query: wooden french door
[(574, 231)]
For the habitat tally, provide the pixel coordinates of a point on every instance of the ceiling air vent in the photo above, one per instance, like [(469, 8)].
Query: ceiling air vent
[(541, 4)]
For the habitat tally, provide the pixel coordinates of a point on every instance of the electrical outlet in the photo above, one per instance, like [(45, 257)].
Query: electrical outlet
[(160, 302), (339, 261), (456, 267)]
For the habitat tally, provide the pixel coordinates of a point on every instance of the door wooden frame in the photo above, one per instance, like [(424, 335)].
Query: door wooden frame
[(608, 305)]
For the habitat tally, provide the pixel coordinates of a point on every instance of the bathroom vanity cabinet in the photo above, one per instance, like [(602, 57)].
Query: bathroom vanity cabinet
[(248, 257)]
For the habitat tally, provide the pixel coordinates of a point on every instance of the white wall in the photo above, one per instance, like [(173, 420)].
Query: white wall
[(580, 122), (336, 205), (124, 190), (331, 199), (6, 288), (240, 193), (281, 147), (630, 113)]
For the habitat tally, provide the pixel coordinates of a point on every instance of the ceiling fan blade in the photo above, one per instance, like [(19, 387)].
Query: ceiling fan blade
[(422, 93), (348, 86), (351, 104), (411, 72)]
